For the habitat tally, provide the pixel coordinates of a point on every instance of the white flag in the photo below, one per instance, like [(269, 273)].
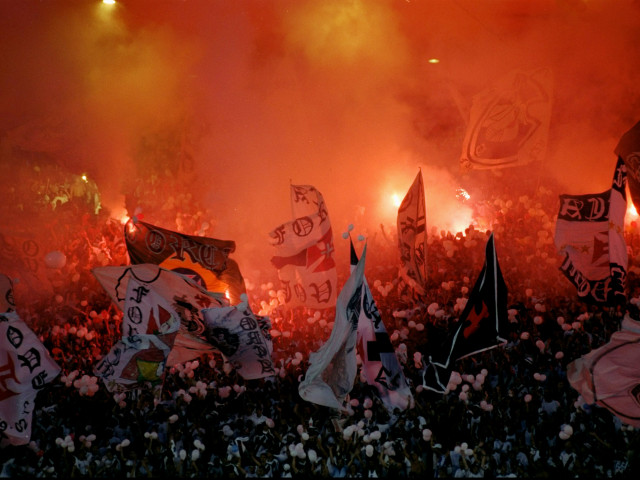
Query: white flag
[(333, 368), (242, 337), (25, 368)]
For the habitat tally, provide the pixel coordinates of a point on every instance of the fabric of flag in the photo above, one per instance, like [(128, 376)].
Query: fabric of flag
[(628, 149), (243, 339), (380, 365), (333, 367), (26, 367), (609, 377), (509, 122), (136, 361), (305, 253), (482, 324), (412, 241), (590, 237), (205, 260), (7, 302), (153, 298)]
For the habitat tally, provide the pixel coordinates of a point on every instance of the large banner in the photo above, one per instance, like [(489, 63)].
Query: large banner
[(590, 236), (25, 369), (412, 241), (205, 260), (509, 122), (305, 253), (333, 368)]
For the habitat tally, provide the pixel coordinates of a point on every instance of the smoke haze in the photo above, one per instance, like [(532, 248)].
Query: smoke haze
[(337, 94)]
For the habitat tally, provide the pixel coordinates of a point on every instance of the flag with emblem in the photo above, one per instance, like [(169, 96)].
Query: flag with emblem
[(154, 300), (242, 337), (412, 242), (608, 376), (7, 303), (26, 367), (482, 325), (136, 361), (590, 238), (380, 366), (333, 367), (304, 252), (628, 149), (205, 260), (509, 122)]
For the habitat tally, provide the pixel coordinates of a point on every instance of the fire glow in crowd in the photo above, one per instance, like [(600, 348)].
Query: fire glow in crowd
[(467, 355)]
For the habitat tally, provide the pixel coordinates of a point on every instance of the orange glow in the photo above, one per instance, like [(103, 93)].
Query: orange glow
[(396, 200), (632, 212)]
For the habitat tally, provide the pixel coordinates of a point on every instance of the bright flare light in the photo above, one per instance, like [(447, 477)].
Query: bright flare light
[(396, 200), (109, 2), (632, 212)]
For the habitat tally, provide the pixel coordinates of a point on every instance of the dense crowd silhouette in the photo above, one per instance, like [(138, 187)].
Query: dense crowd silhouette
[(512, 413)]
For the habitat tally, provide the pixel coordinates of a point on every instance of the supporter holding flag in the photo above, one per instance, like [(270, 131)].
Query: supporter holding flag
[(628, 149)]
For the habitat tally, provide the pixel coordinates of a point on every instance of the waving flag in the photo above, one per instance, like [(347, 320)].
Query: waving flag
[(304, 251), (380, 366), (590, 236), (628, 149), (608, 376), (25, 369), (243, 339), (205, 260), (412, 241), (159, 301), (136, 361), (509, 122), (482, 324), (333, 368)]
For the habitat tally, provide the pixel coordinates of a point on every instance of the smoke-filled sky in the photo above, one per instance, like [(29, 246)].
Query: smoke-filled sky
[(339, 94)]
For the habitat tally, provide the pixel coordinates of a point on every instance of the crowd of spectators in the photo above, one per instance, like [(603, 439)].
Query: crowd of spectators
[(512, 412)]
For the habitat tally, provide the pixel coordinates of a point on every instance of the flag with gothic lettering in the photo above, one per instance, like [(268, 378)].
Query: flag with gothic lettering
[(333, 367), (159, 301), (590, 237), (242, 337), (136, 361), (26, 367), (483, 323), (380, 366), (304, 252), (412, 242), (509, 122), (7, 302), (608, 376), (205, 260)]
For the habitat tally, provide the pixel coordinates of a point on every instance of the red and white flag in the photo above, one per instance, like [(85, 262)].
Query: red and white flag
[(25, 368), (305, 257), (590, 236)]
